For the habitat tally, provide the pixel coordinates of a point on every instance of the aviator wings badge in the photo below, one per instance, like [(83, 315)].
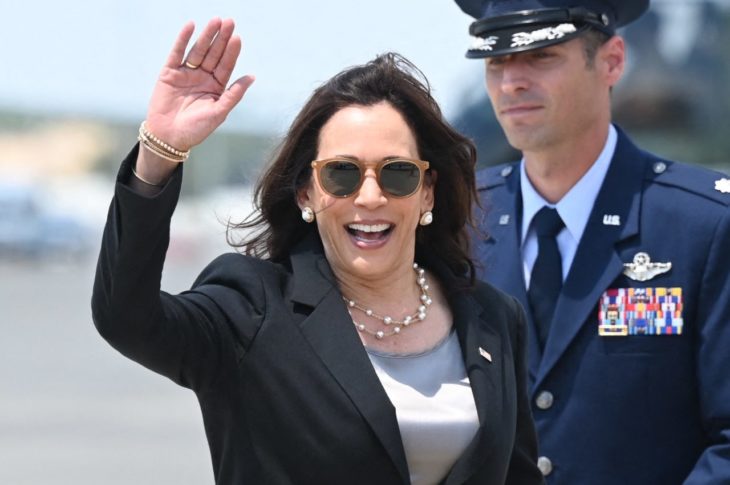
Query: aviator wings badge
[(723, 185), (642, 269)]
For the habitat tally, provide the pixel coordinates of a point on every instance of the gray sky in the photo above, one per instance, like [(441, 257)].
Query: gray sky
[(103, 56)]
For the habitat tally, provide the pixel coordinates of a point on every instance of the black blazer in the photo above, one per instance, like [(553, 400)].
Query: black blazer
[(287, 392)]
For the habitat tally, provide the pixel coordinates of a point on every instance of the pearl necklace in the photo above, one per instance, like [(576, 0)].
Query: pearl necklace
[(394, 325)]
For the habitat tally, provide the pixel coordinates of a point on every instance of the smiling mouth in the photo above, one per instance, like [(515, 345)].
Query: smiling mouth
[(369, 232)]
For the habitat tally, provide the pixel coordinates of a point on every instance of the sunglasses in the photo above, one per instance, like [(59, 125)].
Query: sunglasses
[(342, 177)]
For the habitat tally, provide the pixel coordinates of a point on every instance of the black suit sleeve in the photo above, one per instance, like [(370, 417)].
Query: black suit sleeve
[(184, 337)]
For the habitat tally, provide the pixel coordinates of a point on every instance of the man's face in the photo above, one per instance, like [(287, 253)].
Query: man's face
[(548, 97)]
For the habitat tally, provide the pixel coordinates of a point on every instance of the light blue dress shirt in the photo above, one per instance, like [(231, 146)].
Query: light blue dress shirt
[(574, 208)]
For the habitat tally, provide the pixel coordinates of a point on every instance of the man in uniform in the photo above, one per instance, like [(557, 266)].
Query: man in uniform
[(620, 257)]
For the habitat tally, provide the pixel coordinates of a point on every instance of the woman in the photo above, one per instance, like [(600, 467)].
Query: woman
[(325, 355)]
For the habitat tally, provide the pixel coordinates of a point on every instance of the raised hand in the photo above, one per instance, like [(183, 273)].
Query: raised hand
[(191, 98)]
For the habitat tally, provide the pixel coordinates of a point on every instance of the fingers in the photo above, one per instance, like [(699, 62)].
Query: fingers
[(202, 45), (227, 63), (178, 49), (218, 46)]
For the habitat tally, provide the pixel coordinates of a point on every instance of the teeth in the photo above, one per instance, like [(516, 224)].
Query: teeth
[(369, 228)]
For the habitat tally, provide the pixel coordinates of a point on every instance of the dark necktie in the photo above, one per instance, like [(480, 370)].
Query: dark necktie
[(547, 273)]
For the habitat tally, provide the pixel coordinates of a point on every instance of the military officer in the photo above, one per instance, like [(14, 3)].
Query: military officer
[(620, 257)]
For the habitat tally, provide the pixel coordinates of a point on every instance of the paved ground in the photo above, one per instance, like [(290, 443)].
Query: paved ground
[(74, 411)]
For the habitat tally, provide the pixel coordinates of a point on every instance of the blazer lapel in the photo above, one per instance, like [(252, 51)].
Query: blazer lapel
[(476, 337), (329, 331), (597, 263)]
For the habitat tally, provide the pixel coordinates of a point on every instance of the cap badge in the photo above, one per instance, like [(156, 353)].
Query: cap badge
[(521, 39), (642, 269), (483, 44), (723, 185)]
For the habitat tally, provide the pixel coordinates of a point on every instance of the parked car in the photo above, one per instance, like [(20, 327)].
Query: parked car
[(30, 228)]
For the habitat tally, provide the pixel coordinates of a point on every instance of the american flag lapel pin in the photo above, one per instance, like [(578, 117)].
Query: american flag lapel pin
[(485, 354)]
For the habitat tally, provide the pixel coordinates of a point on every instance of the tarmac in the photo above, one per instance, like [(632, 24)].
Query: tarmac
[(72, 409)]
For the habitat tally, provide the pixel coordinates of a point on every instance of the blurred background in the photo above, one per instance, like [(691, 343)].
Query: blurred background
[(74, 86)]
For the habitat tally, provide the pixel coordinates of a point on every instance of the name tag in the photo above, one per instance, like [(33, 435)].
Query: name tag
[(640, 311)]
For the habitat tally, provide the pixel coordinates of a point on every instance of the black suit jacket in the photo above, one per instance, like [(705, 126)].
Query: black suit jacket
[(287, 392)]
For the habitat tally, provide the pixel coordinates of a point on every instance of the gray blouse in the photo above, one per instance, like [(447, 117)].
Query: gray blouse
[(434, 405)]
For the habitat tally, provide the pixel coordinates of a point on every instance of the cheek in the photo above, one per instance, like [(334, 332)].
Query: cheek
[(330, 213), (490, 84), (327, 205), (318, 199)]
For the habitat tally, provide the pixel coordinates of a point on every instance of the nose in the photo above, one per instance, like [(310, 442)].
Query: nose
[(512, 76), (370, 195)]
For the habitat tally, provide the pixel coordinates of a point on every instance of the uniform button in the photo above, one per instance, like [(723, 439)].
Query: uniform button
[(506, 171), (660, 167), (545, 465), (544, 400)]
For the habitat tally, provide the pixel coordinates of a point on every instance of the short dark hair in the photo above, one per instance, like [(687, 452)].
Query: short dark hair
[(592, 40), (276, 221)]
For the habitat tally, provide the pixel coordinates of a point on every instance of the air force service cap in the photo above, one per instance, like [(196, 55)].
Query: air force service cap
[(510, 26)]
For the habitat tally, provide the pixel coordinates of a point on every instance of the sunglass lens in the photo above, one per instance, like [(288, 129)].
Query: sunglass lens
[(340, 177), (400, 178)]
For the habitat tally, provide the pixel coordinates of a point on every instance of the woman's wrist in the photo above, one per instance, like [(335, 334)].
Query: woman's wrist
[(152, 169), (150, 142)]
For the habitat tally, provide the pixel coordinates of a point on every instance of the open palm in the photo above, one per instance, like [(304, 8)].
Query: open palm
[(191, 98)]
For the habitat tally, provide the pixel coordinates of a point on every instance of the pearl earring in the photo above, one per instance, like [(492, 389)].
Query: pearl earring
[(307, 215), (426, 218)]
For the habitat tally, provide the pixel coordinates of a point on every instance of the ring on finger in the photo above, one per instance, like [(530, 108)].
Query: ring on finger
[(190, 65)]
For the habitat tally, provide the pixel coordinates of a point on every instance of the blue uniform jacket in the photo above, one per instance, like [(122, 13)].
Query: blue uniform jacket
[(634, 409)]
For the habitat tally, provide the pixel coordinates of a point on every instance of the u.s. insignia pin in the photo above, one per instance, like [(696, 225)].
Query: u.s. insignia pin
[(485, 354), (642, 269)]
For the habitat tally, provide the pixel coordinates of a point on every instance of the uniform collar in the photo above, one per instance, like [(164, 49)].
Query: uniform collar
[(576, 205)]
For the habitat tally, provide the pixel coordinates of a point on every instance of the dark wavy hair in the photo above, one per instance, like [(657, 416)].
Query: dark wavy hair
[(276, 226)]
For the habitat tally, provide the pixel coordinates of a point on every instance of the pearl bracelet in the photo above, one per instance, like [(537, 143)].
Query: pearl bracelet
[(159, 147)]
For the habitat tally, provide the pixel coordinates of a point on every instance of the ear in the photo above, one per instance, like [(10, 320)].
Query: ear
[(612, 56), (304, 195), (429, 190)]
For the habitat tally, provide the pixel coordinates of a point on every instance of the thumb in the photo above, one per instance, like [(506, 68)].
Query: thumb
[(235, 92)]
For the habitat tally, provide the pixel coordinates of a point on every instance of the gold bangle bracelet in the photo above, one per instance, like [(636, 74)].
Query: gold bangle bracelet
[(160, 147), (151, 137), (160, 153), (146, 182)]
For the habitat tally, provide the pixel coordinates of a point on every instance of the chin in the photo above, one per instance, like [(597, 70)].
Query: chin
[(372, 265)]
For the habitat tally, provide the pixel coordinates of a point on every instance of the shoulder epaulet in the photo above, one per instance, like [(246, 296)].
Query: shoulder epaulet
[(496, 175), (695, 179)]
